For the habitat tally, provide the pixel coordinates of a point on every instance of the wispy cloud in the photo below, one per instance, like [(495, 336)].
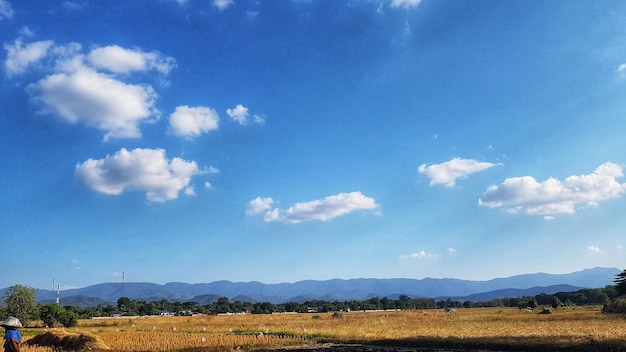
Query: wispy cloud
[(68, 287), (417, 255), (74, 264), (5, 10), (526, 195), (595, 249), (20, 56), (26, 32), (146, 170), (449, 172), (321, 209), (405, 3), (73, 5), (191, 122), (222, 4)]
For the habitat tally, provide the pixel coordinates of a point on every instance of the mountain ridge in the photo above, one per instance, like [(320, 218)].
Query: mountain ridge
[(340, 289)]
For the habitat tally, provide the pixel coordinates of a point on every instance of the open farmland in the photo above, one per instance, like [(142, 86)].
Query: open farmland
[(480, 329)]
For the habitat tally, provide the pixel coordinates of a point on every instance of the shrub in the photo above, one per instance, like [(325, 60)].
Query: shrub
[(68, 318), (618, 306)]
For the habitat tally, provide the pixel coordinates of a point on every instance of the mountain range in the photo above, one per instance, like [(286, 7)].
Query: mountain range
[(335, 289)]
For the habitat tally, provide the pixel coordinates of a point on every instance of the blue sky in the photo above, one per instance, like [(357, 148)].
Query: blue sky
[(278, 141)]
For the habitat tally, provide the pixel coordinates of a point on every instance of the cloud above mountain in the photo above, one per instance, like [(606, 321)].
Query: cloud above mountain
[(526, 195), (321, 209)]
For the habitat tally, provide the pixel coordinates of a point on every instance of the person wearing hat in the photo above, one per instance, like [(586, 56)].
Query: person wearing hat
[(12, 337)]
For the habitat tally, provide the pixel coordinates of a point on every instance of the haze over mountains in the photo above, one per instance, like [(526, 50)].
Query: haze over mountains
[(336, 289)]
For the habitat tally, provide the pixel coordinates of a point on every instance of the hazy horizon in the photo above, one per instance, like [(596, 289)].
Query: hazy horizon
[(55, 287)]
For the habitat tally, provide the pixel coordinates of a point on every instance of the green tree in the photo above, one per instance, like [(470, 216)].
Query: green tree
[(264, 308), (68, 318), (50, 314), (21, 303), (530, 302), (620, 283), (123, 304)]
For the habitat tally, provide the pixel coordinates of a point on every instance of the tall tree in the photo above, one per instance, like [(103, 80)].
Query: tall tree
[(620, 283), (21, 303)]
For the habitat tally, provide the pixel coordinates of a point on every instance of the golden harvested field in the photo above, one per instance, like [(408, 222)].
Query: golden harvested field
[(489, 328)]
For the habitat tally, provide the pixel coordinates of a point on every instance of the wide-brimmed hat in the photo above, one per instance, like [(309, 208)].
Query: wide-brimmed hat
[(11, 322)]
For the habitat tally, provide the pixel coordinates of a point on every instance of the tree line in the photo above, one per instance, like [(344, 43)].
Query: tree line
[(20, 302), (127, 306)]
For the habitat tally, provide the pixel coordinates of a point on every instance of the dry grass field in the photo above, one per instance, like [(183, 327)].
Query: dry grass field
[(479, 329)]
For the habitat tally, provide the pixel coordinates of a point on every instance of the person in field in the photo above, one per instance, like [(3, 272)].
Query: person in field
[(12, 337)]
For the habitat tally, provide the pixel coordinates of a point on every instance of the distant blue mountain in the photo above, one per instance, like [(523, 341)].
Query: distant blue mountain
[(515, 292), (352, 289)]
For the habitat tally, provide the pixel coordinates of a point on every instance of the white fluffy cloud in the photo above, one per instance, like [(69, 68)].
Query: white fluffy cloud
[(96, 100), (258, 205), (447, 173), (405, 3), (526, 195), (20, 56), (120, 60), (241, 115), (193, 121), (321, 209), (146, 170), (90, 89)]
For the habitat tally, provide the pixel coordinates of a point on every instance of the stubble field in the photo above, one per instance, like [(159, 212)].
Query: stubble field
[(467, 329)]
